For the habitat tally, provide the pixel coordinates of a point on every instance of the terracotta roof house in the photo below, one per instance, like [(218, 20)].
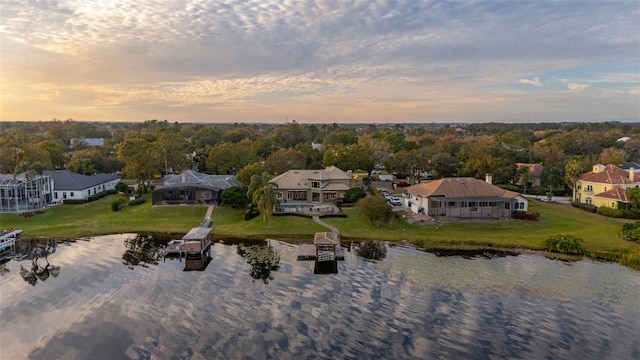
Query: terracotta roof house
[(312, 186), (74, 186), (605, 186), (464, 198), (536, 172), (191, 187)]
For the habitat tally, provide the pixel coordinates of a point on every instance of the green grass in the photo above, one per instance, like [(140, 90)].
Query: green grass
[(96, 218), (600, 234), (230, 222)]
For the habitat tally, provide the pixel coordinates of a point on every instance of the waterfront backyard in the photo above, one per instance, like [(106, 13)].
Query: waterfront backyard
[(600, 234)]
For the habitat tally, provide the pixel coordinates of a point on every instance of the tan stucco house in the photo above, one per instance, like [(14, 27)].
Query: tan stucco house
[(605, 186), (464, 198), (312, 186)]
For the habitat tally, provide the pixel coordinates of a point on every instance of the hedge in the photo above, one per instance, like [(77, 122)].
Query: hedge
[(585, 207), (102, 194), (74, 201), (609, 212)]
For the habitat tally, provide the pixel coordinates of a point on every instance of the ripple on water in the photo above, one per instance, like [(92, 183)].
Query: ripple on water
[(411, 305)]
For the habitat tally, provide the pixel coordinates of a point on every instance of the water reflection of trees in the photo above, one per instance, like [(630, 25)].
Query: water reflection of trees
[(142, 251), (37, 251), (372, 250), (262, 258)]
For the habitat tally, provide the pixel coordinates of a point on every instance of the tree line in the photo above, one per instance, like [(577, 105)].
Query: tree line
[(153, 148)]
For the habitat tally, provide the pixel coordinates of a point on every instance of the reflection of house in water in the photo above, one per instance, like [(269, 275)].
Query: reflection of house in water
[(326, 250), (196, 262)]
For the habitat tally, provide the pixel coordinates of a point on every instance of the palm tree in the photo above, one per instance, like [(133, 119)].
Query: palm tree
[(266, 199), (573, 170), (257, 181), (524, 176)]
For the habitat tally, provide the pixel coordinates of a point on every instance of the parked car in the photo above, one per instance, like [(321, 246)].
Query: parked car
[(403, 184), (395, 201)]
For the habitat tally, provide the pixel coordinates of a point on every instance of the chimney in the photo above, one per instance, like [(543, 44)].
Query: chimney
[(489, 179), (632, 174)]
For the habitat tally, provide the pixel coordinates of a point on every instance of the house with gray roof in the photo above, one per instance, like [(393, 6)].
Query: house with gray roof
[(464, 198), (68, 185), (191, 187), (312, 186)]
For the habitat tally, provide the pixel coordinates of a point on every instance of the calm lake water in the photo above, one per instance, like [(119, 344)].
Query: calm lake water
[(101, 299)]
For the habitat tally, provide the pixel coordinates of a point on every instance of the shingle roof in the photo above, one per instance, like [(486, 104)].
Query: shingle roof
[(460, 187), (194, 178), (299, 179), (534, 169), (610, 175), (67, 180)]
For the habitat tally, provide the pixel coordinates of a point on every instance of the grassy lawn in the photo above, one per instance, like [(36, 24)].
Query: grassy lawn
[(228, 222), (598, 232), (96, 218)]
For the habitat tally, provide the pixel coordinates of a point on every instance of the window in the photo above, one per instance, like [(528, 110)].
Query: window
[(587, 200), (279, 196), (507, 205), (605, 188), (483, 204), (613, 205), (472, 203), (71, 194), (315, 184), (589, 188), (64, 195), (451, 204), (463, 204), (55, 195)]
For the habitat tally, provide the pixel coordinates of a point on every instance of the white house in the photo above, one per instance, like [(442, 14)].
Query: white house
[(73, 186)]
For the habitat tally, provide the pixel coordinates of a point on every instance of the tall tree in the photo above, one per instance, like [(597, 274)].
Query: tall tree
[(612, 155), (245, 174), (266, 199), (284, 160), (573, 170), (257, 181), (229, 158), (140, 158)]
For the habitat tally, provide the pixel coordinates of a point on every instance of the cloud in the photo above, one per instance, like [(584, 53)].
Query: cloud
[(205, 53), (535, 81), (577, 87)]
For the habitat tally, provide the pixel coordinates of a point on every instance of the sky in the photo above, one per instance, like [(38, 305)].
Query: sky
[(325, 61)]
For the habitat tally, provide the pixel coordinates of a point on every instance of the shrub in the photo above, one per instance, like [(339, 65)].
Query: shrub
[(235, 196), (630, 213), (251, 212), (631, 231), (354, 194), (565, 244), (585, 207), (522, 215), (101, 194), (122, 187), (374, 250), (137, 201), (609, 212), (375, 209), (118, 204)]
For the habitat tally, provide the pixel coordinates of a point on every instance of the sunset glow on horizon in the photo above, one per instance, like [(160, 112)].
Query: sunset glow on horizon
[(319, 61)]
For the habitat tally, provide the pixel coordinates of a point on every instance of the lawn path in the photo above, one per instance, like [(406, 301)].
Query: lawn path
[(332, 228)]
